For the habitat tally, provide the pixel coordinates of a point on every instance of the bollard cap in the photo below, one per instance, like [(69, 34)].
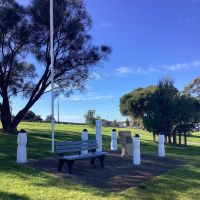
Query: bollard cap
[(137, 135), (84, 130), (160, 133), (22, 131), (114, 129)]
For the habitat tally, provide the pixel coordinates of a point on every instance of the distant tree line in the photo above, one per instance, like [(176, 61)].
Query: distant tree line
[(90, 120), (31, 116)]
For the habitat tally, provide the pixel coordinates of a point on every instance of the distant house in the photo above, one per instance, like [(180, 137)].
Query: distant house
[(122, 124)]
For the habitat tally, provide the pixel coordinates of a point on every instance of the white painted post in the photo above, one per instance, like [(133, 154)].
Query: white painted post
[(84, 137), (21, 148), (114, 140), (136, 150), (161, 145), (99, 135)]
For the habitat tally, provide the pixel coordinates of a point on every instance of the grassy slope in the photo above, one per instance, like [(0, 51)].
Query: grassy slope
[(20, 182)]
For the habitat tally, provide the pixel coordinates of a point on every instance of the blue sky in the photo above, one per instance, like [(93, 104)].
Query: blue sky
[(150, 39)]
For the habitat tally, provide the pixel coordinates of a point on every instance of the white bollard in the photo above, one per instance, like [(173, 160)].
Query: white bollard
[(21, 148), (114, 140), (84, 137), (99, 135), (161, 145), (136, 150)]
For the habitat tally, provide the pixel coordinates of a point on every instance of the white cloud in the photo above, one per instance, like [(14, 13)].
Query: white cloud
[(87, 97), (123, 70), (182, 66), (129, 70)]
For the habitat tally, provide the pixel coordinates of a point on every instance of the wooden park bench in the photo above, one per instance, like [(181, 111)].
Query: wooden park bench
[(70, 151)]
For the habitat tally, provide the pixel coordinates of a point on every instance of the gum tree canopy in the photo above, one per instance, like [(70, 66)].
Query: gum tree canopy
[(162, 108), (135, 103), (24, 32), (193, 88)]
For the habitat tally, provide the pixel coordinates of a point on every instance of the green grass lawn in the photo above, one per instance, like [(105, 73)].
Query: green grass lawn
[(21, 182)]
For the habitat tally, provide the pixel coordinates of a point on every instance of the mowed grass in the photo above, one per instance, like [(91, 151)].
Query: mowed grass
[(21, 182)]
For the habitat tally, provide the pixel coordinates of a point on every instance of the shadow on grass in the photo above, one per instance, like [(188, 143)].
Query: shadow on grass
[(43, 179), (194, 136), (119, 173), (39, 145), (12, 196), (172, 185)]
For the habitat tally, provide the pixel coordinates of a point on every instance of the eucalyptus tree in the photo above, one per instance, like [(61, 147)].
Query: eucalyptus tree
[(25, 31), (161, 109), (193, 88)]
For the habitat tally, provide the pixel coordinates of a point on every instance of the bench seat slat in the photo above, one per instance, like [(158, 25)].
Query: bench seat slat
[(74, 142), (76, 146), (79, 157), (68, 150)]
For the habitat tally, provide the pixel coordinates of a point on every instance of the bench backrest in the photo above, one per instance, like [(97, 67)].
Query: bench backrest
[(76, 146)]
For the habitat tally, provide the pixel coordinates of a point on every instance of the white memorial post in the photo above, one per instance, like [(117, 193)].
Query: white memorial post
[(114, 140), (136, 150), (99, 135), (21, 148), (84, 137), (161, 145)]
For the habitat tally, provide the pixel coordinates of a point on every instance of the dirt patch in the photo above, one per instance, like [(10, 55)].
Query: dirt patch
[(119, 173)]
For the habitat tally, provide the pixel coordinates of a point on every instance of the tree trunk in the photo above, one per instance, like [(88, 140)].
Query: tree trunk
[(185, 138), (174, 138), (169, 138), (6, 117), (165, 138), (154, 137), (20, 115), (179, 134), (9, 125)]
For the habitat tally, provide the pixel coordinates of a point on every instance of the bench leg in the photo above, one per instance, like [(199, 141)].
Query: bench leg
[(101, 159), (60, 164), (92, 161), (69, 164)]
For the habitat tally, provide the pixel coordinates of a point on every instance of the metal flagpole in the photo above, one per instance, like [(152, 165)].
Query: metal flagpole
[(58, 111), (52, 75)]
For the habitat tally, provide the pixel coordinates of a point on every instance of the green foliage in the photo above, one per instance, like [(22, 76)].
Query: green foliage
[(193, 88), (168, 111), (187, 113), (49, 118), (127, 122), (159, 116), (15, 34), (22, 182), (90, 118), (31, 116), (135, 103), (25, 31)]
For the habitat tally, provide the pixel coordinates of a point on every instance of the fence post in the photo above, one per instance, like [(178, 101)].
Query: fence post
[(84, 138), (136, 150), (99, 135), (161, 145), (21, 148), (114, 140)]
